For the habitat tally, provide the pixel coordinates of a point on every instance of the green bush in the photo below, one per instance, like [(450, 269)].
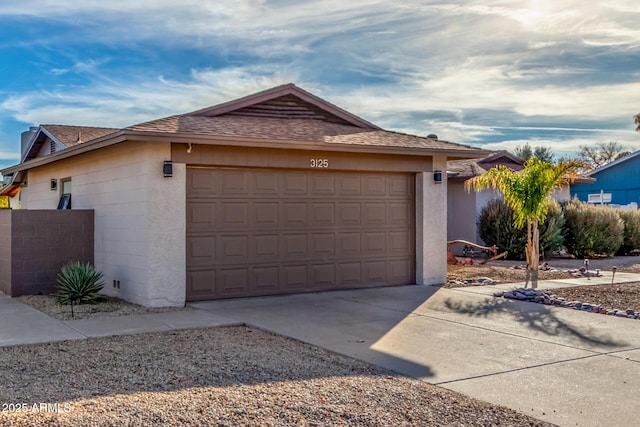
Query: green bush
[(592, 230), (495, 225), (80, 282), (631, 241)]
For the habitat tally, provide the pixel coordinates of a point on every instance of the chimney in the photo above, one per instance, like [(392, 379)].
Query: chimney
[(25, 139)]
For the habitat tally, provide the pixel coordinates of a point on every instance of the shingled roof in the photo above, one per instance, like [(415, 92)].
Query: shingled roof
[(288, 113), (284, 117), (72, 135), (460, 170)]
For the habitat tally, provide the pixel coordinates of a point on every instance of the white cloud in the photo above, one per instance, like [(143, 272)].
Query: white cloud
[(119, 104), (526, 58)]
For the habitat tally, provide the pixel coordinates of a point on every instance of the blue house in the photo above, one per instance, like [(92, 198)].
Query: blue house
[(617, 183)]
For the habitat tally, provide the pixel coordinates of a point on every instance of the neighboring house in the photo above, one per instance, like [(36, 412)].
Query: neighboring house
[(276, 192), (464, 207), (616, 183)]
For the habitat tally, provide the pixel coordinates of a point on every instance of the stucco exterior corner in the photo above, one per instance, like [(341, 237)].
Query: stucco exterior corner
[(431, 226), (167, 245)]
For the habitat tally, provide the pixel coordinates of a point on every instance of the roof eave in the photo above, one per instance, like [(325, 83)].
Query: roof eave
[(130, 135)]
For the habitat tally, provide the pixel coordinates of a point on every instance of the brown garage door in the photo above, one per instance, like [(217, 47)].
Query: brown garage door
[(262, 232)]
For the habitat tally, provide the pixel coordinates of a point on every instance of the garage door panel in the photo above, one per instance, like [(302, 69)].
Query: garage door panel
[(234, 182), (295, 215), (349, 214), (349, 273), (348, 186), (349, 244), (400, 243), (234, 215), (374, 243), (295, 277), (323, 185), (400, 213), (375, 214), (201, 284), (375, 272), (233, 249), (399, 271), (234, 281), (202, 182), (261, 232), (374, 186), (400, 186), (202, 216), (266, 248), (265, 215), (323, 276), (323, 214), (201, 251), (295, 184), (266, 278), (265, 184), (323, 245), (294, 246)]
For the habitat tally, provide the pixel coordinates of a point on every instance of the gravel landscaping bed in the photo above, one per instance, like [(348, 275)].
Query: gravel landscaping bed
[(609, 299), (220, 376), (110, 307)]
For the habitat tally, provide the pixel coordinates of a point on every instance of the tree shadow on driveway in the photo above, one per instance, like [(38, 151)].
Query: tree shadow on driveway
[(536, 317)]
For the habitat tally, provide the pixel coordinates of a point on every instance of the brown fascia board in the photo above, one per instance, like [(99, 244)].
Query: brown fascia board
[(128, 135), (278, 91)]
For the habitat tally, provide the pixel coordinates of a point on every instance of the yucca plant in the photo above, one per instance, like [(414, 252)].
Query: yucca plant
[(80, 282)]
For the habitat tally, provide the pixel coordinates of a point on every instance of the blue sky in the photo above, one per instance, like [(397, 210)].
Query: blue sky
[(488, 73)]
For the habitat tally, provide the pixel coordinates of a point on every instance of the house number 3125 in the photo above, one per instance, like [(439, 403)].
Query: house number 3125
[(319, 163)]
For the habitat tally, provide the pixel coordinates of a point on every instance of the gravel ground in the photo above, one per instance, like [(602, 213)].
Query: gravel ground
[(221, 376), (626, 296), (110, 307)]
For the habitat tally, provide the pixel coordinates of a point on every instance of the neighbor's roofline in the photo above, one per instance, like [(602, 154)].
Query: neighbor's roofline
[(615, 162)]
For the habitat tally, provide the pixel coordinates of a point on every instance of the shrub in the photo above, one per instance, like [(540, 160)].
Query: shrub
[(79, 281), (631, 240), (495, 225), (592, 230)]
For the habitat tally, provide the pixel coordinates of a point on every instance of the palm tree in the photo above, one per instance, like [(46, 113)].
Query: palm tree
[(527, 192), (636, 118)]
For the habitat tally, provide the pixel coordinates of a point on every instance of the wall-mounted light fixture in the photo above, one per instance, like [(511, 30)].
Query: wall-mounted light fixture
[(167, 169), (54, 184), (437, 177)]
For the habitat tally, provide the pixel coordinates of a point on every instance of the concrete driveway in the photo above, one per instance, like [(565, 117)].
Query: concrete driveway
[(559, 365)]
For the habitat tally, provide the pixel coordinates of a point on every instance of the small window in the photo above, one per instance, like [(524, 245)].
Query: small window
[(52, 147), (66, 185), (65, 194)]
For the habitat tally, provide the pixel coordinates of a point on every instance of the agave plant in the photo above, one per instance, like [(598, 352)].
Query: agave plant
[(80, 283)]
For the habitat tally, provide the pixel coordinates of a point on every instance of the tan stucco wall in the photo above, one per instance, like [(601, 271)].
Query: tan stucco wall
[(463, 211), (139, 216), (431, 226), (461, 214)]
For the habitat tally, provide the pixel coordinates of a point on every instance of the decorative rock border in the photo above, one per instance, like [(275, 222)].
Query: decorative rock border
[(478, 281), (547, 298)]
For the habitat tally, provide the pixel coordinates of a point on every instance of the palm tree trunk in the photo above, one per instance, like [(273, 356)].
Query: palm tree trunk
[(533, 252)]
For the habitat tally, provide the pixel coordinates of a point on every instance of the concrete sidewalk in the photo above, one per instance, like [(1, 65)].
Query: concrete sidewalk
[(560, 365), (23, 324)]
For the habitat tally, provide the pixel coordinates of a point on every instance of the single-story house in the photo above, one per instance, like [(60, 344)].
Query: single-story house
[(277, 192), (464, 207), (616, 183)]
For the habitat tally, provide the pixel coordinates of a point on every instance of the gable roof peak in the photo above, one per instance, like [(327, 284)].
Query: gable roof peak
[(285, 101)]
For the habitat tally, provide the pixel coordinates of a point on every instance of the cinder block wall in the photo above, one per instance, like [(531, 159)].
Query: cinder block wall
[(5, 251), (38, 243)]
